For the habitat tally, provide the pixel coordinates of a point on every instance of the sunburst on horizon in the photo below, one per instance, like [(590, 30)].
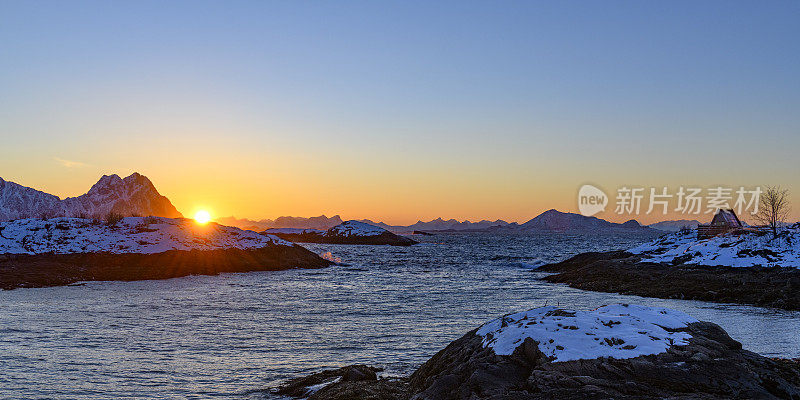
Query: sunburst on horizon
[(202, 217)]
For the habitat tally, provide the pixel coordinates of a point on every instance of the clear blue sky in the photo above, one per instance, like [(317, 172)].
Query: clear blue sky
[(398, 110)]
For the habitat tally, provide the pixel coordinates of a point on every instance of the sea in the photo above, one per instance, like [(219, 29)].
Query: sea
[(240, 335)]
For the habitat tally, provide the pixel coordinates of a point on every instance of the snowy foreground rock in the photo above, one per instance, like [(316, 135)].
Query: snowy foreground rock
[(348, 232), (618, 351), (58, 251), (619, 331), (736, 249)]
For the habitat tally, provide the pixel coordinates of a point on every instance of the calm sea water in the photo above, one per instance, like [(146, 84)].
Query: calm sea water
[(237, 335)]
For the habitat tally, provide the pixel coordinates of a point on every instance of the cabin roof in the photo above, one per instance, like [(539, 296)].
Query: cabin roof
[(726, 217)]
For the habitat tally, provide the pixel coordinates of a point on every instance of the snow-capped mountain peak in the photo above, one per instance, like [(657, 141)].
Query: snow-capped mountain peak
[(133, 195)]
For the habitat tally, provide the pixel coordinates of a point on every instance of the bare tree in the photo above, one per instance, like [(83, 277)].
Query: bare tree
[(773, 208)]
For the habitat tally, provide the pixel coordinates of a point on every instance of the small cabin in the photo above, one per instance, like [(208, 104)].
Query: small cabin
[(724, 220)]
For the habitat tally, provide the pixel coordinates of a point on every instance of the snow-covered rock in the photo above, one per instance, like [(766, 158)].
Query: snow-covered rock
[(548, 353), (145, 235), (735, 249), (133, 195), (619, 331), (355, 228)]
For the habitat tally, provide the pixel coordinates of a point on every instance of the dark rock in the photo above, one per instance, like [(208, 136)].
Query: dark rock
[(355, 373), (350, 382), (42, 270), (711, 366)]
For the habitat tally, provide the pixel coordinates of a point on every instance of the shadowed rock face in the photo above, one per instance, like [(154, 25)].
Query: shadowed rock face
[(622, 272), (711, 366), (42, 270)]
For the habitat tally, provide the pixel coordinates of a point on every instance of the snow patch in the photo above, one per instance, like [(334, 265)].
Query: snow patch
[(745, 249), (316, 388), (618, 331), (145, 235)]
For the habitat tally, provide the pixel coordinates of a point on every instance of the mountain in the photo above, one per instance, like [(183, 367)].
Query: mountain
[(133, 195), (441, 225), (676, 225), (17, 201), (557, 221), (548, 221), (322, 223)]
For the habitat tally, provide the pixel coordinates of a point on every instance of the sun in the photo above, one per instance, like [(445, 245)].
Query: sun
[(202, 216)]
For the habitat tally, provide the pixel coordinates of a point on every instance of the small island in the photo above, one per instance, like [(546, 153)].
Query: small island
[(744, 266), (615, 351), (62, 251), (348, 232)]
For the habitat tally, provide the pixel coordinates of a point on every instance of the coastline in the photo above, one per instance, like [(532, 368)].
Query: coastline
[(626, 273), (45, 270)]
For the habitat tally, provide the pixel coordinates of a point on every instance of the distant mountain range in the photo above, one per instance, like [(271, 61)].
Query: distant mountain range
[(322, 223), (136, 195), (440, 224), (133, 195), (674, 226), (548, 221), (557, 221)]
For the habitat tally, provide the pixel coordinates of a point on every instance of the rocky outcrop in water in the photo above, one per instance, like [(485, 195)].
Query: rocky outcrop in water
[(60, 251), (43, 270), (625, 273), (707, 365), (349, 232), (350, 382), (711, 366)]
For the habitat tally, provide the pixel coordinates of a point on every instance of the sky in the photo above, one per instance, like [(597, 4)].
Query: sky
[(400, 111)]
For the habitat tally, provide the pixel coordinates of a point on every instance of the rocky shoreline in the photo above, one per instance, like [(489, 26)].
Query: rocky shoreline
[(705, 364), (626, 273), (44, 270), (62, 251)]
